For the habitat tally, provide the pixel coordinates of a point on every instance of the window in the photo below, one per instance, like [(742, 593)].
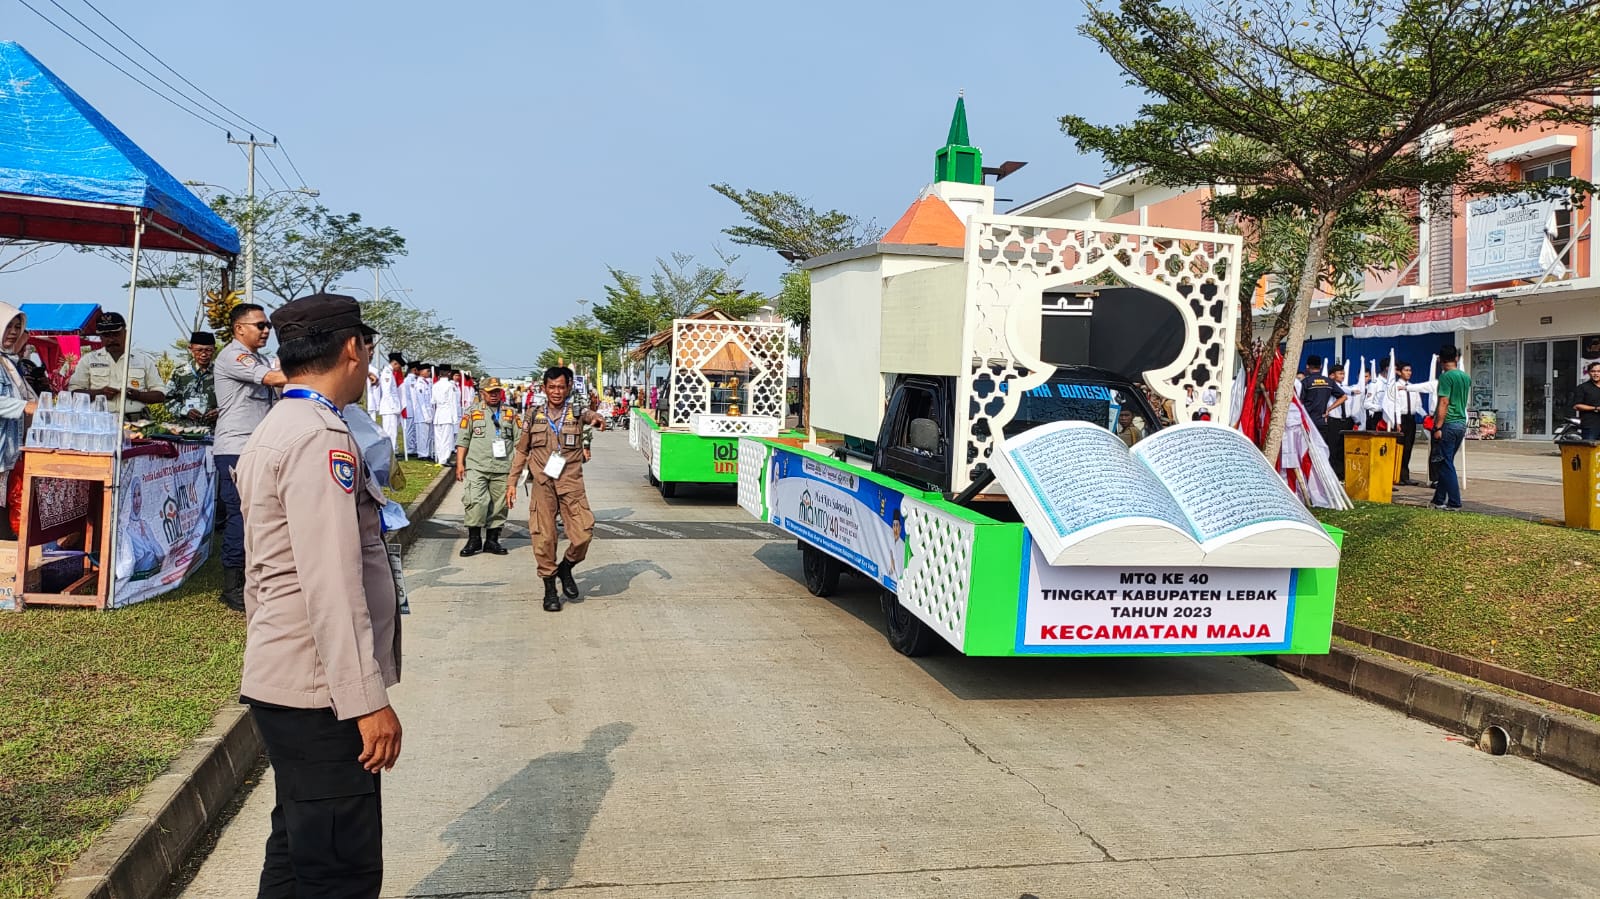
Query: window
[(1556, 168)]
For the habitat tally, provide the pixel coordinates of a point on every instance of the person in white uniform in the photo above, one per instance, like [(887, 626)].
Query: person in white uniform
[(408, 404), (389, 402), (422, 409), (446, 410)]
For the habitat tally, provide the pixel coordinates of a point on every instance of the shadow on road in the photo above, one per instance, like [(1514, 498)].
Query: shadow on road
[(979, 678), (526, 834), (615, 579)]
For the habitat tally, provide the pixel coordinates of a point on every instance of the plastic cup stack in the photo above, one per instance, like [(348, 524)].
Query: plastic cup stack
[(76, 422)]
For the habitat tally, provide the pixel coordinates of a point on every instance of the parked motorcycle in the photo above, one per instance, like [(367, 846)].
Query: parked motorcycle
[(1569, 431)]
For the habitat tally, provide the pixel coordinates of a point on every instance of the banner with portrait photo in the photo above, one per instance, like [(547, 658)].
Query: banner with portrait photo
[(164, 521)]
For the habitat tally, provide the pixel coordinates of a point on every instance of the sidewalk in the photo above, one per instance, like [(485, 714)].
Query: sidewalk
[(1513, 478)]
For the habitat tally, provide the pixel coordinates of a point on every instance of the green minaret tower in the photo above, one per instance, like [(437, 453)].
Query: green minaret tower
[(957, 160)]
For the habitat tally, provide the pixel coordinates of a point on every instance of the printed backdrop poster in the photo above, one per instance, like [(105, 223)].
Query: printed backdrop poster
[(845, 515), (164, 521), (1510, 237)]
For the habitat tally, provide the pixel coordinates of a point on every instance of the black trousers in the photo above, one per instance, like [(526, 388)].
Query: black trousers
[(1408, 439), (327, 826), (1333, 435)]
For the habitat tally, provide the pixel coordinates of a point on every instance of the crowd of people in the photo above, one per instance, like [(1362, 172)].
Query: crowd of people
[(1391, 402)]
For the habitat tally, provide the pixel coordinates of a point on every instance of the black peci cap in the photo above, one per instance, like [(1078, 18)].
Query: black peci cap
[(110, 323), (318, 314), (202, 338)]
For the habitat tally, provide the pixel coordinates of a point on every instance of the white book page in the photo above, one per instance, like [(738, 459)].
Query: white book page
[(1080, 475), (1221, 481)]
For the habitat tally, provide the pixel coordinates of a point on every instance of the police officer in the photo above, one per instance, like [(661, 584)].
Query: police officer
[(550, 449), (488, 430), (246, 381), (322, 643)]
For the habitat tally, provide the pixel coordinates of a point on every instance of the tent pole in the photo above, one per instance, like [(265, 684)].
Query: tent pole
[(108, 555)]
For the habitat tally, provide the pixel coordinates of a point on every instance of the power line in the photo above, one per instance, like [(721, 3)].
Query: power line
[(74, 38), (164, 65), (268, 158), (294, 168), (141, 66)]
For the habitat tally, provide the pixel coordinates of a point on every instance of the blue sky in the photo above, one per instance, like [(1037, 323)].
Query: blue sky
[(523, 147)]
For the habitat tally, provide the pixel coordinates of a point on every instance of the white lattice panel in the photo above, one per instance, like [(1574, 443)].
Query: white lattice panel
[(655, 454), (733, 426), (937, 582), (753, 473), (1012, 261), (697, 342), (634, 428)]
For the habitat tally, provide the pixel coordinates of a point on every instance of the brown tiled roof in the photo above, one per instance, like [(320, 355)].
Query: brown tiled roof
[(929, 222)]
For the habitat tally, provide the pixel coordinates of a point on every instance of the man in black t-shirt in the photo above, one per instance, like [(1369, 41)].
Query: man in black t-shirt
[(1588, 404), (1319, 394)]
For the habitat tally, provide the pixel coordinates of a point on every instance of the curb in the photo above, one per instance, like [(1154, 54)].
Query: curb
[(1563, 742), (137, 856)]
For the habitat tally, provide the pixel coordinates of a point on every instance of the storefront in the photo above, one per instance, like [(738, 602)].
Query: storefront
[(1527, 368)]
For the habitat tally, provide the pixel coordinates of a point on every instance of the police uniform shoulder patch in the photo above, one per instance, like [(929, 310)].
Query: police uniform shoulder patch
[(342, 465), (246, 359), (464, 420)]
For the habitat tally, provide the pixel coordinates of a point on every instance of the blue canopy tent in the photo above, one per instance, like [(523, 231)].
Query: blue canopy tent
[(67, 175)]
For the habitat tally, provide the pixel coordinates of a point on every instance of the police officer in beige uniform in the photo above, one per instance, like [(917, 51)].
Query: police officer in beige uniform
[(550, 449), (323, 633)]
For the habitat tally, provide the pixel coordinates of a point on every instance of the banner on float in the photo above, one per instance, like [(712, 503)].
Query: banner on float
[(847, 516), (1087, 609), (164, 521)]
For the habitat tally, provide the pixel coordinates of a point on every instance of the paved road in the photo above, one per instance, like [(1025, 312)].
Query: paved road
[(700, 726)]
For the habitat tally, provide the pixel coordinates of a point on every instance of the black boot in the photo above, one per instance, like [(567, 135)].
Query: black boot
[(552, 600), (492, 545), (233, 588), (568, 585), (474, 542)]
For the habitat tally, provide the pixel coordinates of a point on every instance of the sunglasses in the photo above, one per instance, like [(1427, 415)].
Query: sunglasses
[(260, 326)]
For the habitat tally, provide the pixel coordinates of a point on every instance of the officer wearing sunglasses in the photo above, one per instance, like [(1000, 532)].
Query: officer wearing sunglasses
[(247, 382)]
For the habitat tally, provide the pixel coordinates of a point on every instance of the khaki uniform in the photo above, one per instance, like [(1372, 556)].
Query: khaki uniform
[(487, 473), (540, 439), (322, 625), (97, 370)]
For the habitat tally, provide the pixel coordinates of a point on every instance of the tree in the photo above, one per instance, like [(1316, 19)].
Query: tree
[(681, 292), (797, 231), (320, 247), (550, 358), (418, 334), (580, 339), (18, 255), (1321, 108)]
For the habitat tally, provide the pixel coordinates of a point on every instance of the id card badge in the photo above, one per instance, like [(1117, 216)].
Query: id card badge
[(498, 448), (554, 467)]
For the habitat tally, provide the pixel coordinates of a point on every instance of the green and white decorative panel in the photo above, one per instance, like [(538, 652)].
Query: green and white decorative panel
[(733, 426), (654, 454), (761, 348), (1013, 262), (938, 581), (635, 428), (753, 455)]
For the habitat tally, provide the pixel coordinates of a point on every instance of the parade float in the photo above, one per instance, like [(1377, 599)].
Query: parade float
[(726, 379), (1019, 492)]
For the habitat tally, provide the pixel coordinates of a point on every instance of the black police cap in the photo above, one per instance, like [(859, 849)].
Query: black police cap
[(318, 314)]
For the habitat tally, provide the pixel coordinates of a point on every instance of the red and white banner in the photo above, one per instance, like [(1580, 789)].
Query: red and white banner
[(1471, 315)]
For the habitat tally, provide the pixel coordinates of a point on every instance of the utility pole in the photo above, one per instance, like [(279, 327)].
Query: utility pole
[(377, 290), (250, 222)]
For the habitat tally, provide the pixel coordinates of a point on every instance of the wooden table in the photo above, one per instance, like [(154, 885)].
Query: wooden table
[(44, 521)]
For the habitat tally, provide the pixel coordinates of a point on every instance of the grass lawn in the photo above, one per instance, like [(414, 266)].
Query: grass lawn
[(419, 475), (94, 705), (1519, 594)]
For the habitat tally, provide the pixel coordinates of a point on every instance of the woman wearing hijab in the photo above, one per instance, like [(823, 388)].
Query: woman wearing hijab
[(17, 402)]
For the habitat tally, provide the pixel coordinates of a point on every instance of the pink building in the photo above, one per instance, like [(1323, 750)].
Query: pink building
[(1510, 280)]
